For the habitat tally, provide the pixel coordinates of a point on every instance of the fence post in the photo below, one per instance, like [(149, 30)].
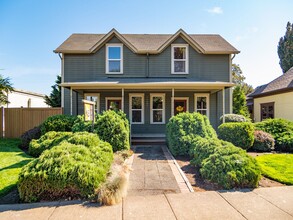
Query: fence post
[(3, 122)]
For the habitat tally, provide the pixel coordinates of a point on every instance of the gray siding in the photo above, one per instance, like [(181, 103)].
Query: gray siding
[(91, 67)]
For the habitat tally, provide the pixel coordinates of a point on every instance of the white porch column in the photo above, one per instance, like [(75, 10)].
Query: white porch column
[(70, 101), (122, 101), (223, 94), (172, 102)]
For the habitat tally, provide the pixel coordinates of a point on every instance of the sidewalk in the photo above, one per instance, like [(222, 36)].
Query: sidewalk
[(261, 203)]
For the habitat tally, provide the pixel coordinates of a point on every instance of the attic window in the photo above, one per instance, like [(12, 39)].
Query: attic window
[(114, 58), (179, 59)]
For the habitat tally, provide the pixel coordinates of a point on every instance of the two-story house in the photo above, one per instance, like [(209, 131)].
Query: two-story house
[(151, 77)]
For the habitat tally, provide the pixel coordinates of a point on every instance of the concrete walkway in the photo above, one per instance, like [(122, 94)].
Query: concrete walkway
[(262, 203)]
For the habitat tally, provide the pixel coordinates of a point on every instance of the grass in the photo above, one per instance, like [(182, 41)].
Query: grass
[(278, 167), (12, 159)]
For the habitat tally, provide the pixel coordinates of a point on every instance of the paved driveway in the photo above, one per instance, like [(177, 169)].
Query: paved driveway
[(151, 173)]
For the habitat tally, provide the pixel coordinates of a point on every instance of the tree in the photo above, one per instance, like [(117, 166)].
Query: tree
[(285, 49), (54, 100), (239, 102), (238, 78), (5, 88)]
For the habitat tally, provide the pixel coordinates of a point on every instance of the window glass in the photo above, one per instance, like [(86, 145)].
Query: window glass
[(202, 104), (136, 102), (158, 116), (179, 52), (114, 104), (267, 110), (93, 99), (114, 66), (136, 111), (114, 52), (179, 59), (157, 109), (179, 66), (157, 102), (114, 59)]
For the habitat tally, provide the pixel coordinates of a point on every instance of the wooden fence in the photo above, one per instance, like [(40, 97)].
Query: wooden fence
[(15, 121)]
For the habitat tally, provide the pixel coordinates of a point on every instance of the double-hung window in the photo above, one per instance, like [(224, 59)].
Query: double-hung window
[(179, 63), (136, 108), (94, 97), (114, 58), (201, 101), (157, 108)]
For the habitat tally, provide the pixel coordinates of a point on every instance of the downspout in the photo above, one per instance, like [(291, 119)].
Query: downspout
[(147, 70)]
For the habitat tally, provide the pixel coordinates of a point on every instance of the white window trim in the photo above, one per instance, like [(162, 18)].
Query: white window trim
[(207, 95), (186, 59), (181, 98), (121, 60), (151, 107), (142, 107), (97, 95), (112, 98)]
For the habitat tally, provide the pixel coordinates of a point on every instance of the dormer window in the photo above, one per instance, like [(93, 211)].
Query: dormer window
[(114, 58), (179, 59)]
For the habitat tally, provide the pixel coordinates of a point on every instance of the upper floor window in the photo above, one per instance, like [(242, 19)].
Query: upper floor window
[(179, 63), (114, 58)]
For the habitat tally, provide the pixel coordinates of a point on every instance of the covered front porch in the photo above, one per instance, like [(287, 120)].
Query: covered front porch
[(149, 105)]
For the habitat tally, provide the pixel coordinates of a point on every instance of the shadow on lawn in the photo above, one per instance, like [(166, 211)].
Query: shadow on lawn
[(16, 165)]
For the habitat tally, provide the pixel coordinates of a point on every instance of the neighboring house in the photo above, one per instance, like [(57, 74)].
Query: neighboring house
[(149, 76), (275, 99), (26, 99)]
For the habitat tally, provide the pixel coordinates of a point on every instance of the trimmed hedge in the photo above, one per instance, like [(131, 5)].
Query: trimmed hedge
[(233, 118), (58, 123), (28, 136), (183, 128), (113, 128), (47, 141), (281, 130), (240, 134), (80, 125), (231, 167), (263, 141), (65, 170)]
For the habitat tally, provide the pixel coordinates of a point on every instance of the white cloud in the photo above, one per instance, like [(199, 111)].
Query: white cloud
[(215, 10)]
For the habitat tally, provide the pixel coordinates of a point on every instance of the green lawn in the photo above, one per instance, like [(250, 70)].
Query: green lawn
[(12, 159), (278, 167)]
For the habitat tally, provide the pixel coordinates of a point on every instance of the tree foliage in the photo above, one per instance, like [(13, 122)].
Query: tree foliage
[(238, 78), (54, 100), (285, 49), (239, 101), (5, 88)]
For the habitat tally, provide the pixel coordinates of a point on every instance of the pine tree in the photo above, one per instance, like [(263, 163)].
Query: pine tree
[(239, 102), (54, 100), (285, 49)]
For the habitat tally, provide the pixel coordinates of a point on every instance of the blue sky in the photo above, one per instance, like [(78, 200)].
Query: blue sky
[(31, 29)]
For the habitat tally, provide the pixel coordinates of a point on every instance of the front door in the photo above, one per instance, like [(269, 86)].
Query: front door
[(180, 105), (114, 104)]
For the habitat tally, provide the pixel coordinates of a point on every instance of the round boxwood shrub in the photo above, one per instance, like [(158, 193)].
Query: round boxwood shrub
[(58, 123), (111, 127), (281, 130), (263, 141), (233, 118), (231, 167), (65, 170), (28, 136), (239, 134), (183, 128), (47, 141)]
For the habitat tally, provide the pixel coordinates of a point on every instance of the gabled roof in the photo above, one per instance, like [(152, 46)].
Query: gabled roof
[(146, 43), (281, 84)]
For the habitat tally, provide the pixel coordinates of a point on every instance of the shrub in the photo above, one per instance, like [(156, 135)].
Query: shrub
[(81, 125), (281, 130), (233, 118), (111, 127), (231, 167), (240, 134), (263, 141), (47, 141), (183, 128), (58, 123), (65, 170), (26, 137)]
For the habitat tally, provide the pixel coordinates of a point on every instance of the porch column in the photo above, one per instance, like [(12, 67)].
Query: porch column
[(70, 101), (122, 101), (172, 102), (223, 93)]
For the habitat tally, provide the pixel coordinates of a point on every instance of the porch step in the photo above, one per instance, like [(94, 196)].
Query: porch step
[(141, 139)]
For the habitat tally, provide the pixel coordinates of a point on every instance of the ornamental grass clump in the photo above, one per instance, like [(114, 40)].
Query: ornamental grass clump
[(67, 170), (233, 118), (183, 128)]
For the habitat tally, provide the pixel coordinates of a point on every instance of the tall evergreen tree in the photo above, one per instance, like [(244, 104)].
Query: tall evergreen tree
[(5, 88), (239, 102), (238, 78), (54, 100), (285, 49)]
